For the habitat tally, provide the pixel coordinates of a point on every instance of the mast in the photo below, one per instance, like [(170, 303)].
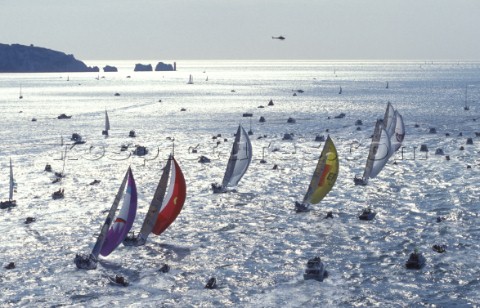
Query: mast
[(12, 182), (466, 101)]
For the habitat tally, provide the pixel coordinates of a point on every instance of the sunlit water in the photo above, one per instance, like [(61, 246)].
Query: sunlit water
[(251, 241)]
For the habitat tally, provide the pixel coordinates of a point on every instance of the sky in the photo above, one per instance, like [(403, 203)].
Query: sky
[(232, 29)]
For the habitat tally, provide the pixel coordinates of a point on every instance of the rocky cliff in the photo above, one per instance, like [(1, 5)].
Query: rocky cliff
[(143, 67), (17, 58), (164, 67)]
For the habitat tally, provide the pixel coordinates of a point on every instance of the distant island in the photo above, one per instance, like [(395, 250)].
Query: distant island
[(159, 67), (18, 58), (109, 68), (166, 67), (143, 67)]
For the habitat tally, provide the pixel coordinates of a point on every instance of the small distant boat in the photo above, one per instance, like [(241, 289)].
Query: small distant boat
[(367, 214), (190, 80), (20, 95), (340, 91), (240, 158), (107, 124), (11, 188), (323, 179), (59, 194), (439, 248), (466, 107), (77, 139), (315, 270), (165, 205), (110, 238), (118, 280), (281, 37), (140, 150), (63, 116), (211, 283), (415, 261)]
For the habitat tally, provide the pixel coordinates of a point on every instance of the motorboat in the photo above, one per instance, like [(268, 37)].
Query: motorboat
[(315, 270)]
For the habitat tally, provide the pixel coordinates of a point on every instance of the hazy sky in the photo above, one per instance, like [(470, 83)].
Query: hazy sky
[(231, 29)]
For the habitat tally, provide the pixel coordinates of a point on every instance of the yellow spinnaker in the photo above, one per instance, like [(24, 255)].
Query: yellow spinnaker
[(325, 174)]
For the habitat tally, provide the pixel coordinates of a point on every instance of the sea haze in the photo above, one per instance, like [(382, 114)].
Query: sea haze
[(252, 241)]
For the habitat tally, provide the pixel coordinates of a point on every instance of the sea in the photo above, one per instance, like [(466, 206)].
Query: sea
[(251, 240)]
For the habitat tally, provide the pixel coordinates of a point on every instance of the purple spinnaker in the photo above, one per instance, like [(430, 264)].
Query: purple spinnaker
[(124, 221)]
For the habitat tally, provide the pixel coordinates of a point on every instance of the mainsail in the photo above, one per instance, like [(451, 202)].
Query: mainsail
[(397, 137), (155, 207), (173, 202), (107, 124), (240, 158), (378, 154), (389, 119), (325, 174), (90, 261), (11, 188)]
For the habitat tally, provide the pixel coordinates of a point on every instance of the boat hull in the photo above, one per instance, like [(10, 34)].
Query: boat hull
[(367, 216), (8, 204), (87, 262), (302, 207), (417, 263), (315, 270)]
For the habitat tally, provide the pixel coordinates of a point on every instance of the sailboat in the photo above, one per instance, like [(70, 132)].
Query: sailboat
[(323, 178), (107, 124), (240, 158), (12, 185), (466, 101), (112, 235), (20, 95), (378, 154), (165, 205), (190, 80)]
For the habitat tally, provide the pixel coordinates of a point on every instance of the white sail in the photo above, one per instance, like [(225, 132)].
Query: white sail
[(397, 137), (389, 121), (190, 80), (378, 154), (107, 122), (239, 160)]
